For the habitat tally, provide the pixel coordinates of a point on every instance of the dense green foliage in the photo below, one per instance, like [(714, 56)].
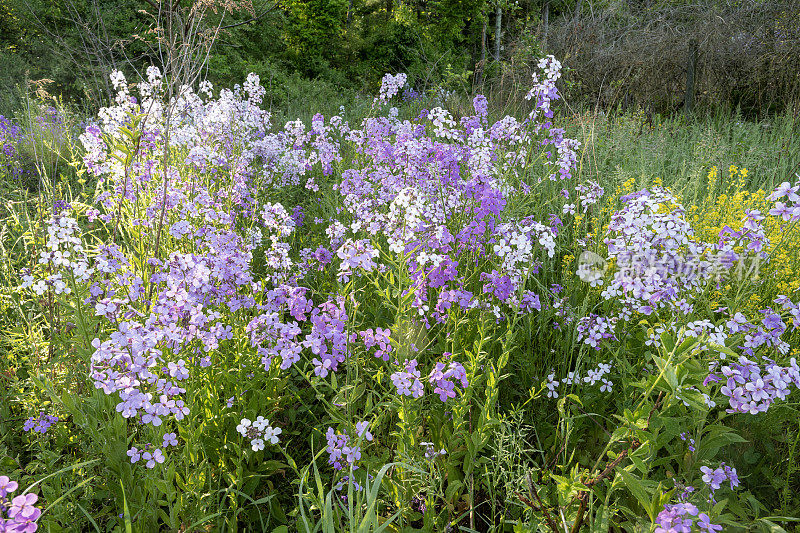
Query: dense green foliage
[(629, 54)]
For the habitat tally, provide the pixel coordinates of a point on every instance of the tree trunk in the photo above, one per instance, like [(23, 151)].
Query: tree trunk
[(545, 22), (483, 38), (498, 25), (483, 47), (578, 6), (691, 67)]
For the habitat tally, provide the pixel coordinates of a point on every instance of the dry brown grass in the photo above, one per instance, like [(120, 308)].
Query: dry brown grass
[(636, 56)]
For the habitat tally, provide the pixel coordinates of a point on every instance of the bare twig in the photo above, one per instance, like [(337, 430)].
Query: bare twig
[(541, 507)]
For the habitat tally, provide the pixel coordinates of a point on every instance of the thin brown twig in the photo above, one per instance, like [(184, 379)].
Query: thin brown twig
[(541, 507), (583, 496), (251, 20)]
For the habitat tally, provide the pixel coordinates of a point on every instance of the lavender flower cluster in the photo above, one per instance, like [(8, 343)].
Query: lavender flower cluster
[(751, 389), (40, 424), (430, 194), (10, 136), (680, 518), (661, 264), (443, 379), (18, 514), (149, 455), (592, 329), (788, 209), (344, 451), (714, 477)]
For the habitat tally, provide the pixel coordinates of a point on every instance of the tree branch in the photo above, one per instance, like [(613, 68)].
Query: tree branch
[(152, 4), (254, 19)]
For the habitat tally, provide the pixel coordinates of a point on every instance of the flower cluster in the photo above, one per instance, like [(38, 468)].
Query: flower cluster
[(545, 92), (592, 329), (356, 255), (344, 451), (10, 136), (589, 194), (431, 452), (259, 432), (390, 86), (751, 389), (788, 210), (64, 259), (40, 424), (443, 379), (379, 339), (715, 477), (149, 455), (680, 517), (407, 381), (648, 239), (18, 514), (47, 122), (592, 377), (684, 437)]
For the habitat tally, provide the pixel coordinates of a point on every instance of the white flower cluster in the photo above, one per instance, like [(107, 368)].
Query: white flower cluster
[(390, 86), (551, 66), (193, 121), (593, 376), (480, 155), (254, 237), (515, 244), (114, 116), (259, 432), (152, 86), (277, 220), (64, 252), (254, 90), (406, 213), (443, 123)]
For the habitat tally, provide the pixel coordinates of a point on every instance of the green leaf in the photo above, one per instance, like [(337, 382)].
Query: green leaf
[(639, 464), (601, 519), (125, 512), (637, 488), (771, 527)]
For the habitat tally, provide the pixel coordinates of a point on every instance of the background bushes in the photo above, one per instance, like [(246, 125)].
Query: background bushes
[(620, 53)]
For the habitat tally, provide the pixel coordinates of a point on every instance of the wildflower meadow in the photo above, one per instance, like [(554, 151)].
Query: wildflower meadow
[(416, 314)]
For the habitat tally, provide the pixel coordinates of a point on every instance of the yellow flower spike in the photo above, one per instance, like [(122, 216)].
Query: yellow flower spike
[(743, 172), (566, 262)]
